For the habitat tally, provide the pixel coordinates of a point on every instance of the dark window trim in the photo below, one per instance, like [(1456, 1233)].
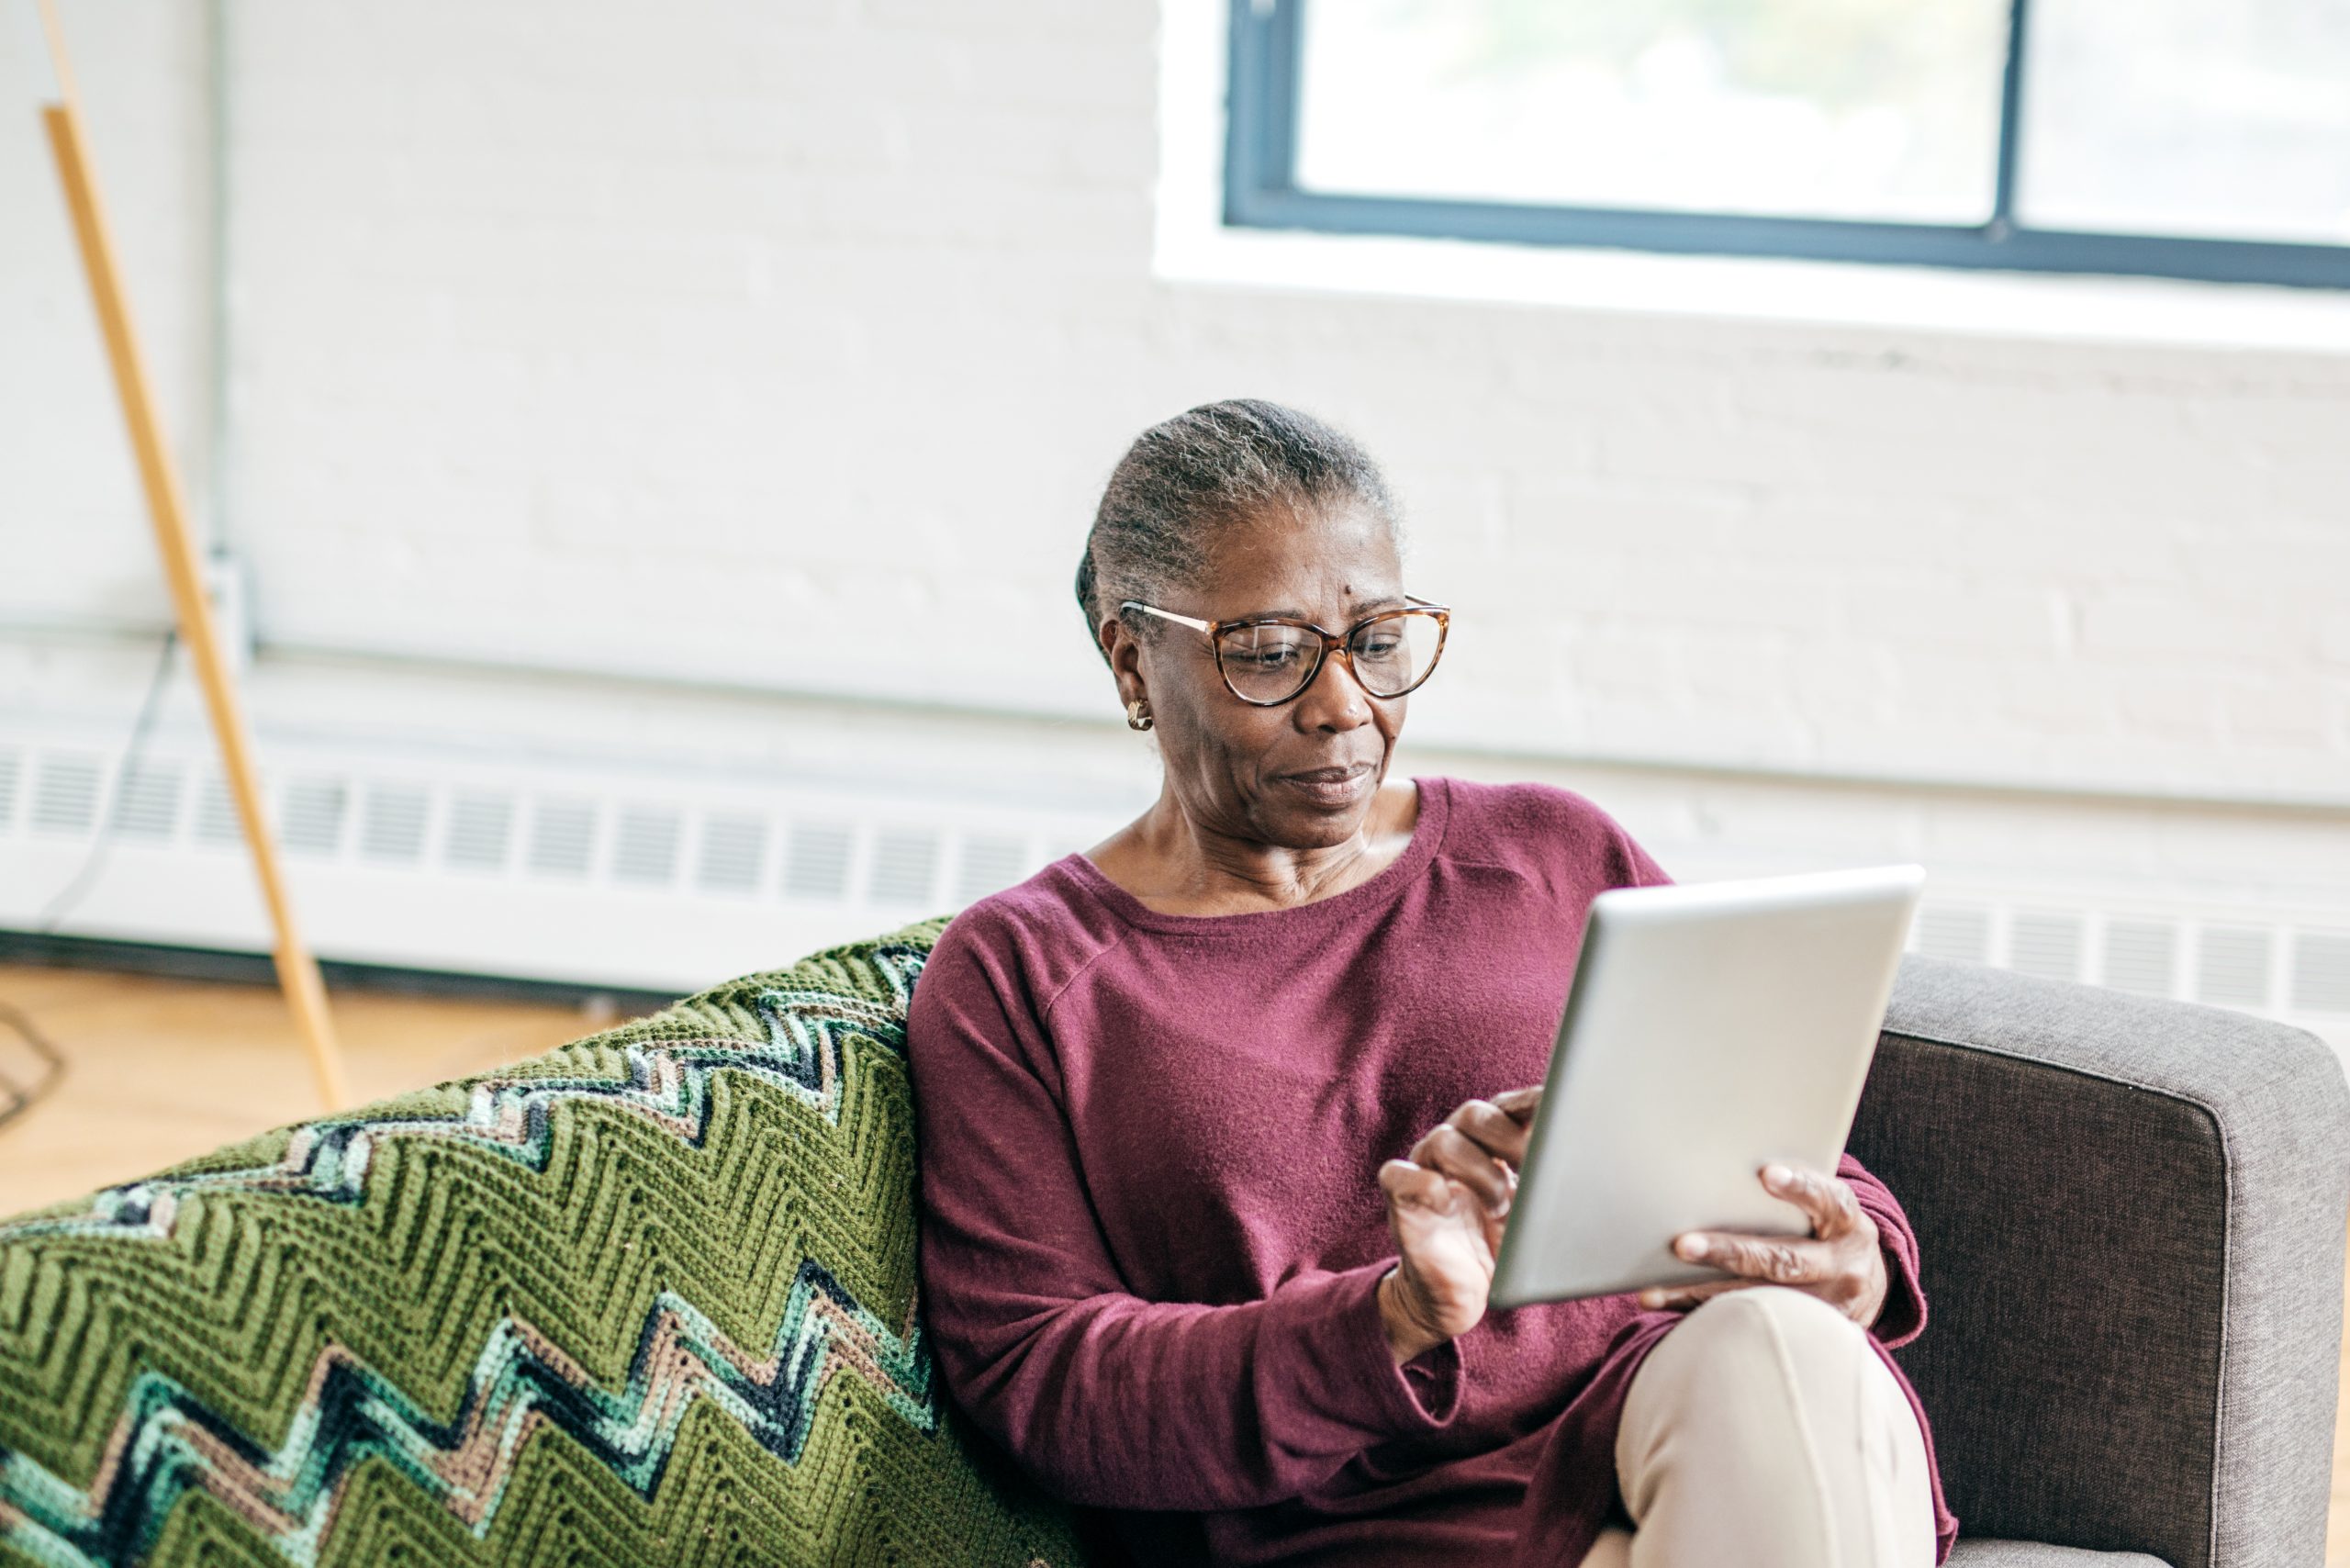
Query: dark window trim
[(1261, 191)]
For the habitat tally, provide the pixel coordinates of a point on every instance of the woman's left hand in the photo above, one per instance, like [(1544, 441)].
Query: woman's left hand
[(1840, 1262)]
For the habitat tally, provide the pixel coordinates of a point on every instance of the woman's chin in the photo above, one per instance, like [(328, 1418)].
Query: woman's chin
[(1301, 827)]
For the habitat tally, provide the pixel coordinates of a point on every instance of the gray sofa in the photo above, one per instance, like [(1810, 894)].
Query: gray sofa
[(2131, 1216)]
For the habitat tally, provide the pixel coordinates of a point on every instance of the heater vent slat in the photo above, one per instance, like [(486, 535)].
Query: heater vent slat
[(1960, 934), (147, 802), (2233, 970), (2321, 972), (562, 838), (11, 769), (481, 830), (313, 813), (815, 860), (905, 867), (990, 862), (734, 854), (65, 793), (2045, 945), (644, 851), (216, 814), (2141, 956), (393, 826)]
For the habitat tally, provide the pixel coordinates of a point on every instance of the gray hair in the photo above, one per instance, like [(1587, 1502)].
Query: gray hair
[(1216, 466)]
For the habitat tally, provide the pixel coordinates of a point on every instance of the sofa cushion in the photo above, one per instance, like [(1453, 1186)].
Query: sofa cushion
[(2035, 1554), (649, 1297)]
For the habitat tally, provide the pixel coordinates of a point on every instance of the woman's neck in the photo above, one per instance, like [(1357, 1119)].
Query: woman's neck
[(1177, 866)]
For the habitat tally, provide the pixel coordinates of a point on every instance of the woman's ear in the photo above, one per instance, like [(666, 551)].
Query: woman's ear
[(1120, 646)]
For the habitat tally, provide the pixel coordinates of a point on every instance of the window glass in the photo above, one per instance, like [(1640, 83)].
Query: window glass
[(1877, 110), (2223, 118)]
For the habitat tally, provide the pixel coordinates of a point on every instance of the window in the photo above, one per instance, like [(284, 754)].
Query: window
[(2193, 139)]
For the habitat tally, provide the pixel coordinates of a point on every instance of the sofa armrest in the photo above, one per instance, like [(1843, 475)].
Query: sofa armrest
[(2132, 1218)]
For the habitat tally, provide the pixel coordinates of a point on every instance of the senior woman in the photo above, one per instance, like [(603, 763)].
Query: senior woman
[(1220, 1119)]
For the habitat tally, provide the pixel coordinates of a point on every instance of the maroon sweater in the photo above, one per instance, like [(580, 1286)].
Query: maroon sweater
[(1152, 1222)]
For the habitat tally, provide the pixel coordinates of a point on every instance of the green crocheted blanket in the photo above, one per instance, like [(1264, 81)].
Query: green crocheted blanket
[(648, 1298)]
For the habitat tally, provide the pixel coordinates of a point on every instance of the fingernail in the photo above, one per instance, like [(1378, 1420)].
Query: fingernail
[(1777, 1175), (1691, 1247), (1651, 1298)]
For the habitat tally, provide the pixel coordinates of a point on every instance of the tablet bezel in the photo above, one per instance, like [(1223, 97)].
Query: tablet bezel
[(1883, 899)]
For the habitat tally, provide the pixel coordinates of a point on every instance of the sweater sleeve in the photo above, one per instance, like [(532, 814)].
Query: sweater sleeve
[(1641, 867), (1104, 1397), (1599, 852), (1903, 1316)]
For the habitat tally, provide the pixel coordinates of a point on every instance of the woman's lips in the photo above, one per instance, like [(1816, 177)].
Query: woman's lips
[(1325, 789)]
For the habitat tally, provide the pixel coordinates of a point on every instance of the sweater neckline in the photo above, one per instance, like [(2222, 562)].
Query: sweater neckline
[(1427, 834)]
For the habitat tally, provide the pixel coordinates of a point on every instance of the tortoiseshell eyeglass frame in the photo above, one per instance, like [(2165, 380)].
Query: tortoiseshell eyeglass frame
[(1331, 641)]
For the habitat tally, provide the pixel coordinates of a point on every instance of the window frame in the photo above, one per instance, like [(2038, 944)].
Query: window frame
[(1261, 191)]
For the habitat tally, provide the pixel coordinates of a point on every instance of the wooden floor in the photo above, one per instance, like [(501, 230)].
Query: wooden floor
[(163, 1069), (159, 1069)]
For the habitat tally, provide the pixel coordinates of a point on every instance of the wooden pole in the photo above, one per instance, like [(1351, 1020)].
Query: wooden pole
[(297, 971)]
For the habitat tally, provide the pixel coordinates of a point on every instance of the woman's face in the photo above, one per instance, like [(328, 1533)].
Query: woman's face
[(1229, 762)]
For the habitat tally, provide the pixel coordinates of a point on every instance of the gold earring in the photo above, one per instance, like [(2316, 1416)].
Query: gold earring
[(1137, 718)]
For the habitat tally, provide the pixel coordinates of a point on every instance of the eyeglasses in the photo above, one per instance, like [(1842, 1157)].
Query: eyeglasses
[(1267, 659)]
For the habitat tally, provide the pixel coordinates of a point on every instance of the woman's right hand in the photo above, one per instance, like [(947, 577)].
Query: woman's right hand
[(1448, 1204)]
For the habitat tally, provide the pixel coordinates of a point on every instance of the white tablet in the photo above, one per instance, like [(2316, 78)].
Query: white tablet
[(1710, 1027)]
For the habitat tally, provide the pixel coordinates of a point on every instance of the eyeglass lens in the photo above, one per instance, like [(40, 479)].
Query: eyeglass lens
[(1272, 663)]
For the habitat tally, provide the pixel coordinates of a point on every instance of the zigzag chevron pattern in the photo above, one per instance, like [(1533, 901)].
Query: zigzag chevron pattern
[(179, 1381), (167, 1443), (668, 1083)]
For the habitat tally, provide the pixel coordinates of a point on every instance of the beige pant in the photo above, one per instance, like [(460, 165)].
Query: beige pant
[(1763, 1431)]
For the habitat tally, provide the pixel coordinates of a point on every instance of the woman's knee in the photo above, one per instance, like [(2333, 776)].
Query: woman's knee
[(1791, 1313), (1788, 1336), (1783, 1311), (1772, 1406)]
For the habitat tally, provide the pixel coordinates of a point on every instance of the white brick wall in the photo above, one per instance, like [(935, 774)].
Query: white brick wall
[(695, 341), (74, 540), (584, 317)]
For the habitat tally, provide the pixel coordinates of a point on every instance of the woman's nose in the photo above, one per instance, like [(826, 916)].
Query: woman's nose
[(1335, 698)]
